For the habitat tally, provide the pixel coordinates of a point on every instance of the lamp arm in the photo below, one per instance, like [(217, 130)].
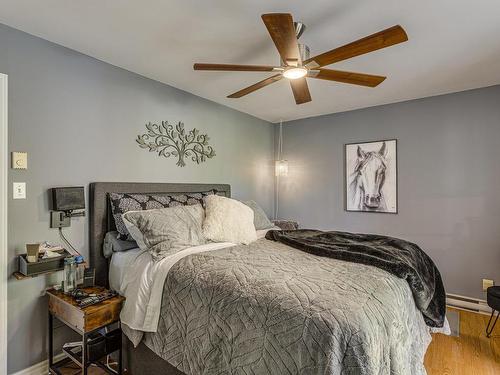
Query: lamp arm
[(71, 213)]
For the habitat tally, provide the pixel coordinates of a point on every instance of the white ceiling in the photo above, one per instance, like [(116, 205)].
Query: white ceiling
[(453, 45)]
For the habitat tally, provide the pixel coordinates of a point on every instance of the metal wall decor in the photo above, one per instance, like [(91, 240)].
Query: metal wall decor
[(169, 140)]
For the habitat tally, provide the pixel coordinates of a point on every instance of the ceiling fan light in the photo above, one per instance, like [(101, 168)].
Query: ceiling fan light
[(295, 73)]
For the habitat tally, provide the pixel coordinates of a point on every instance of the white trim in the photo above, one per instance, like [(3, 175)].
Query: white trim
[(41, 368), (4, 161), (468, 304)]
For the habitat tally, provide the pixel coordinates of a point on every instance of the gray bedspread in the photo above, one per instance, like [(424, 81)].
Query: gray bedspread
[(267, 308), (394, 255)]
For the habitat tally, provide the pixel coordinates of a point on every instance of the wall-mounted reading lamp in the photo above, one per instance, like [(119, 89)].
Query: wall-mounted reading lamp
[(63, 203)]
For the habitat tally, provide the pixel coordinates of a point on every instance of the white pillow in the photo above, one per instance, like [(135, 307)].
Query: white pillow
[(227, 220)]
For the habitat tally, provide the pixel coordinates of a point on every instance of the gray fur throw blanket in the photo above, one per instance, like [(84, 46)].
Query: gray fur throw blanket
[(396, 256)]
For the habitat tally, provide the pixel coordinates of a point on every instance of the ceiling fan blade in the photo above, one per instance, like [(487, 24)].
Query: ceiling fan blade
[(382, 39), (282, 31), (347, 77), (256, 86), (300, 90), (234, 68)]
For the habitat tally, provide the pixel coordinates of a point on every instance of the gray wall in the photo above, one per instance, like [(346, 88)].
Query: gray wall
[(449, 179), (78, 119)]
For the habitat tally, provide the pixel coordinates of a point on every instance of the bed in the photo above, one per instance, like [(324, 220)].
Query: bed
[(261, 308), (139, 360)]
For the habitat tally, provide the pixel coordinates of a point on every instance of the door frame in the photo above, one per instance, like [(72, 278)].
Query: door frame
[(4, 166)]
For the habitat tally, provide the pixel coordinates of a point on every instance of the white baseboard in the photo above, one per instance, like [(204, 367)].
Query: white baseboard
[(41, 368), (468, 304)]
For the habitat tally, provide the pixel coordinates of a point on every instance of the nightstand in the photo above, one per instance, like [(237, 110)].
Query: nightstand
[(87, 322)]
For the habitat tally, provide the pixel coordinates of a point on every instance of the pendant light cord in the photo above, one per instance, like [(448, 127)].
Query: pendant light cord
[(280, 153), (280, 146)]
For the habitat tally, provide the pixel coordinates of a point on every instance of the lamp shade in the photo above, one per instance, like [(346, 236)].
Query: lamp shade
[(281, 167)]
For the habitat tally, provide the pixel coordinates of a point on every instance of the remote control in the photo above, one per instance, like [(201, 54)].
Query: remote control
[(95, 299)]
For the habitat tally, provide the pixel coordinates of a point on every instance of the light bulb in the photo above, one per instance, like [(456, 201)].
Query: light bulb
[(294, 73), (281, 168)]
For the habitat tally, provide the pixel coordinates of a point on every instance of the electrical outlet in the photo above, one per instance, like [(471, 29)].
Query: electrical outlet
[(487, 283)]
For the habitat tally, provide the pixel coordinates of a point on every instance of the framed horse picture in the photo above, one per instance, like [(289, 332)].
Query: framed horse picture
[(371, 176)]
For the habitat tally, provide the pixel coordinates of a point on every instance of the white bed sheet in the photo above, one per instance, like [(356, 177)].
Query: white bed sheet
[(118, 265)]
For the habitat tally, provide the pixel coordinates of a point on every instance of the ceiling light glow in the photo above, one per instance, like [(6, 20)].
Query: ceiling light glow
[(295, 73)]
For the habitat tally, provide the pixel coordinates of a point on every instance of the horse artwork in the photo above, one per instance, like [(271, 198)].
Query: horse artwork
[(371, 176)]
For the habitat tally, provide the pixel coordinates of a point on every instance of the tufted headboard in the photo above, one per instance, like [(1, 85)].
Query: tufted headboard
[(101, 220)]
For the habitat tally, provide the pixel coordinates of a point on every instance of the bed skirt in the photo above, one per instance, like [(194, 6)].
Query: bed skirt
[(142, 360)]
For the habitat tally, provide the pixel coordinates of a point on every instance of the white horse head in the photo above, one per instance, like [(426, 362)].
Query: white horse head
[(368, 179)]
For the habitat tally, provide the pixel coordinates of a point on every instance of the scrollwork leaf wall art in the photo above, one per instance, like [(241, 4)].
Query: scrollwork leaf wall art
[(168, 140)]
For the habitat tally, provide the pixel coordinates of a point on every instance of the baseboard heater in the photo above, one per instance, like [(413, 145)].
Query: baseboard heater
[(468, 304)]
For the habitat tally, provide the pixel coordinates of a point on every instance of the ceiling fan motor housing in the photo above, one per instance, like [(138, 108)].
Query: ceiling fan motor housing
[(299, 28), (304, 52)]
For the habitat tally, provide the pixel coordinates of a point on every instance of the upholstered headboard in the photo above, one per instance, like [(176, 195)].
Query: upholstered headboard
[(100, 218)]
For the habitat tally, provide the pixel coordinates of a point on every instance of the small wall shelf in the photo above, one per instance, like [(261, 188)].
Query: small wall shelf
[(19, 276)]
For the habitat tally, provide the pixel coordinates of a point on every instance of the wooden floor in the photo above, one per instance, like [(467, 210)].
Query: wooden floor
[(75, 370), (470, 354)]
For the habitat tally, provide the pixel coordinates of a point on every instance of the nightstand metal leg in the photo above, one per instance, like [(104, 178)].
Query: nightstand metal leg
[(120, 357), (51, 341), (84, 354)]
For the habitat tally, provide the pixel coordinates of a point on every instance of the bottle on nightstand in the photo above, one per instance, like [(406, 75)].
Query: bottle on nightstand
[(80, 270), (69, 274)]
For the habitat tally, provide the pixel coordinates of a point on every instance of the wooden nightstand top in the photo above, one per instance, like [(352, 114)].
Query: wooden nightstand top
[(85, 319)]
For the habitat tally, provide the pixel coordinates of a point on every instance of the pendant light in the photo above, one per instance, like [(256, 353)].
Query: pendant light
[(281, 165)]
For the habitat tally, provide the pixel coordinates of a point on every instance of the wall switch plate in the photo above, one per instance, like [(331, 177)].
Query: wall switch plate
[(20, 160), (19, 190), (487, 283), (59, 219)]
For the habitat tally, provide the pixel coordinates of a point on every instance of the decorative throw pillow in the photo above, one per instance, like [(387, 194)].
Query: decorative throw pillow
[(124, 202), (134, 232), (114, 245), (260, 219), (166, 231), (228, 220)]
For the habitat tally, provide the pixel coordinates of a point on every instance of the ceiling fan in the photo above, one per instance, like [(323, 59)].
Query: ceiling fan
[(296, 64)]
